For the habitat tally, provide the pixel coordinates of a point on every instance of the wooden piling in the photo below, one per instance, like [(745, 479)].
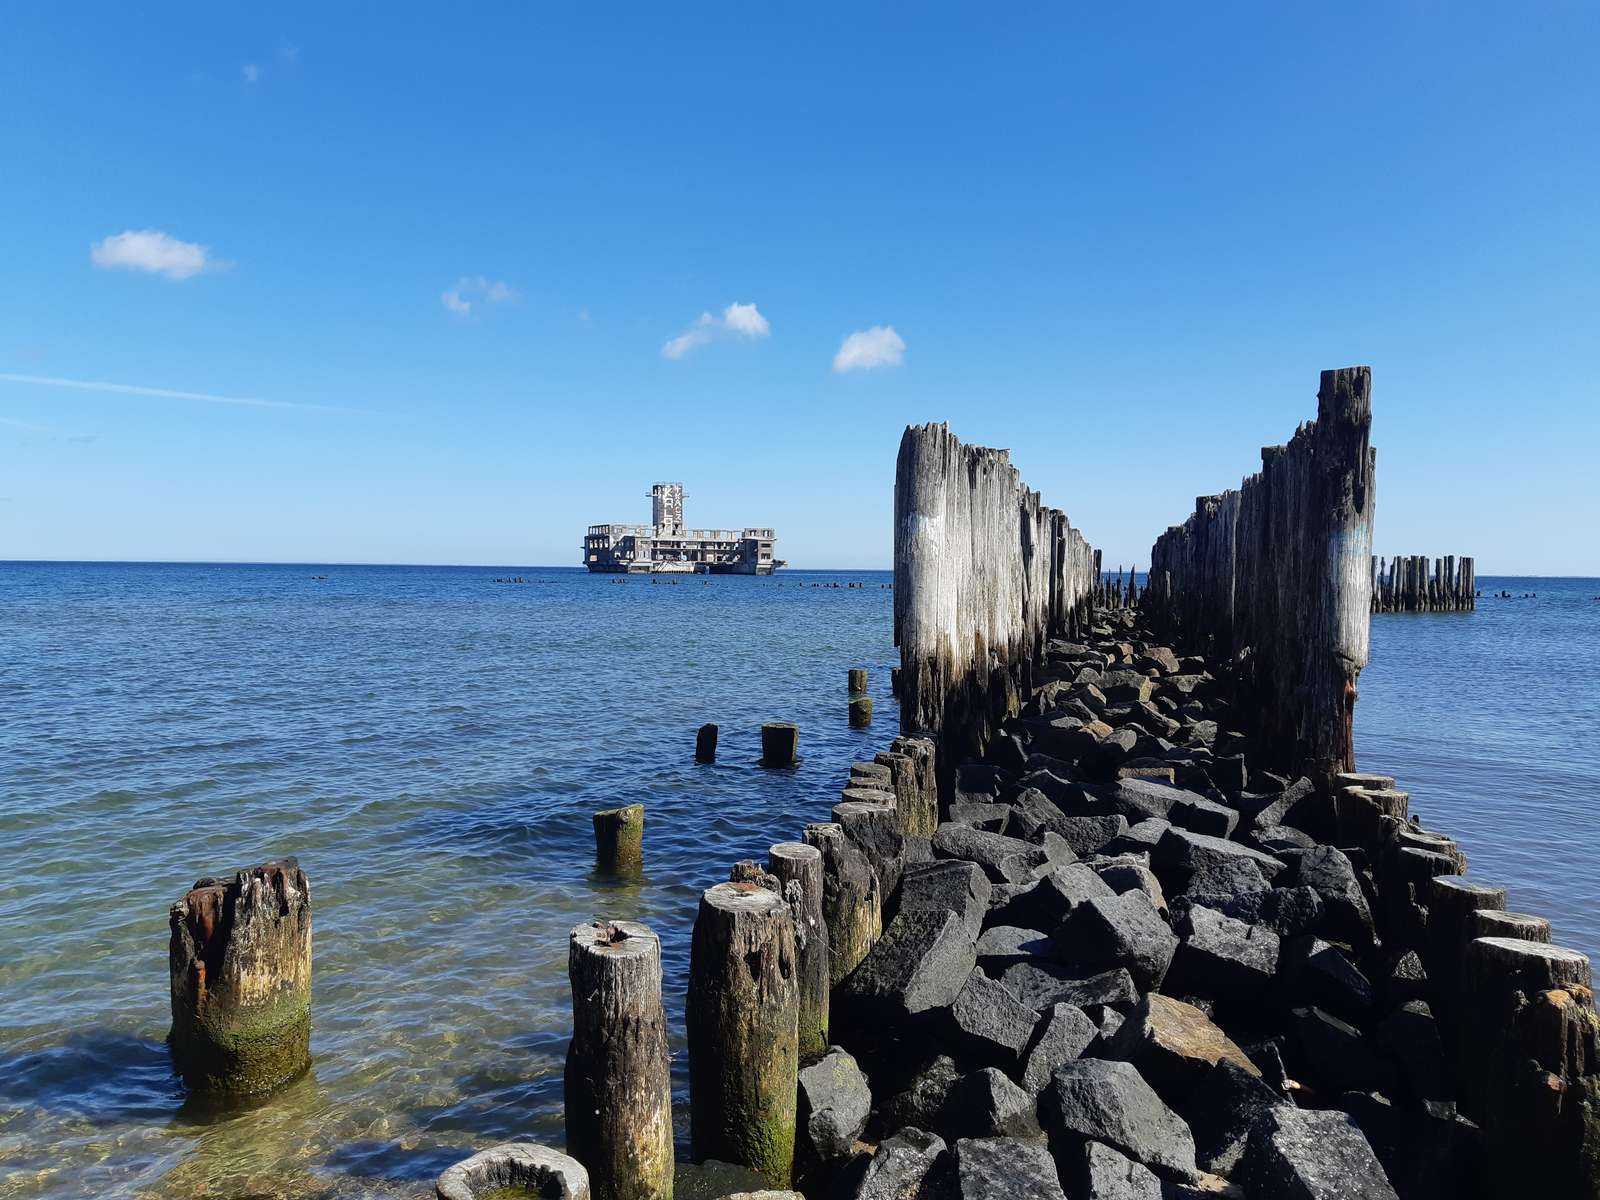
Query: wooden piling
[(743, 1017), (619, 839), (801, 865), (852, 904), (705, 744), (618, 1074), (857, 680), (239, 958), (780, 743), (860, 712)]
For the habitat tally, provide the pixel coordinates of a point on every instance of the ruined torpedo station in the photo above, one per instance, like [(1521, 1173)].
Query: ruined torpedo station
[(665, 547)]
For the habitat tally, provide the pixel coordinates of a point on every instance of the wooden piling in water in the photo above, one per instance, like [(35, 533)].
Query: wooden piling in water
[(618, 1076), (743, 1017), (857, 679), (780, 743), (1410, 585), (619, 838), (801, 865), (705, 744), (860, 712), (239, 958)]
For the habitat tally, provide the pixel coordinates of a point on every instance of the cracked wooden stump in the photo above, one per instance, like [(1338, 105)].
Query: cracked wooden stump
[(800, 864), (240, 963), (743, 1024), (618, 1077)]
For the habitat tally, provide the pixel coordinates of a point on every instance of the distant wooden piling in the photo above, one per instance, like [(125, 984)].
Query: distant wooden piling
[(780, 743), (984, 573), (856, 680), (743, 1016), (239, 957), (1277, 576), (618, 1075), (801, 865), (859, 712), (619, 838), (1409, 585), (705, 744)]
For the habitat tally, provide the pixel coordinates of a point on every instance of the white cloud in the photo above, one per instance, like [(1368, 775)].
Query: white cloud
[(252, 73), (470, 289), (153, 251), (865, 349), (741, 320)]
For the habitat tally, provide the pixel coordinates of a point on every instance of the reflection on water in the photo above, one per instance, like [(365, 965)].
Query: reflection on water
[(431, 747)]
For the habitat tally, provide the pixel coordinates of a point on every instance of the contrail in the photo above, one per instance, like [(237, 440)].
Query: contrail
[(129, 389)]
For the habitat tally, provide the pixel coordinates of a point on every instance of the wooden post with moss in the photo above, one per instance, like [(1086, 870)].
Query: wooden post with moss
[(857, 678), (860, 709), (801, 865), (852, 905), (240, 964), (618, 1076), (619, 838), (743, 1023)]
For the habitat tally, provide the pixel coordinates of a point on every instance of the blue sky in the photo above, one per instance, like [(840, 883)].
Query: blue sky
[(465, 253)]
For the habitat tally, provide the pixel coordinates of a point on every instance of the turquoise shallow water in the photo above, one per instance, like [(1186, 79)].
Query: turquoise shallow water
[(431, 743)]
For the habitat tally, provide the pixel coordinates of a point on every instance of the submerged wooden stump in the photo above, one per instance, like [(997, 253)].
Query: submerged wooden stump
[(618, 1076), (525, 1166), (240, 964), (860, 712), (705, 744), (780, 744), (743, 1023), (619, 838), (800, 864)]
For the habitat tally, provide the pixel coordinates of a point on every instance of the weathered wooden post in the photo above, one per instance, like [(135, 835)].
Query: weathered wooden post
[(515, 1168), (858, 680), (852, 905), (618, 1076), (705, 744), (619, 838), (801, 865), (743, 1022), (860, 712), (780, 743), (240, 964)]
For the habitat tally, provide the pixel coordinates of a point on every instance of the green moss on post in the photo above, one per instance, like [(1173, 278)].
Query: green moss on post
[(860, 712), (619, 839), (239, 958), (801, 865), (743, 1022)]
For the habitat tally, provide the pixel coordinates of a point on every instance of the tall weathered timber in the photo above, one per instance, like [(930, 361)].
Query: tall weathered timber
[(1275, 579), (984, 574)]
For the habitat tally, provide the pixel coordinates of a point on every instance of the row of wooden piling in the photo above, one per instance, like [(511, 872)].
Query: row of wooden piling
[(1412, 584), (1112, 590), (1273, 580)]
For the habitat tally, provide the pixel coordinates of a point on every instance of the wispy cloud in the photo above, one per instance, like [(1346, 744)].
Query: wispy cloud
[(738, 320), (475, 289), (130, 389), (251, 73), (865, 349), (154, 252)]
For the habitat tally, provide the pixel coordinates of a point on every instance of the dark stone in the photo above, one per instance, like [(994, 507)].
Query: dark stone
[(1217, 880), (1064, 1033), (1040, 985), (1093, 1100), (1274, 839), (987, 1103), (1009, 754), (906, 1167), (1199, 815), (1139, 838), (1174, 1046), (1119, 931), (1406, 979), (1224, 958), (874, 829), (920, 963), (1004, 946), (1318, 973), (834, 1102), (1131, 873), (1288, 912), (989, 816), (1297, 1154), (975, 780), (1331, 1055), (947, 886), (1003, 859), (987, 1168), (1046, 903), (991, 1024), (1298, 805), (1268, 1058), (1100, 1173), (1220, 1111), (1428, 1151), (1089, 835), (1140, 799), (920, 1104), (1409, 1037), (1329, 873), (1198, 852)]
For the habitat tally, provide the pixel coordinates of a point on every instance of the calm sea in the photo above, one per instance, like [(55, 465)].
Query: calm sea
[(430, 743)]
